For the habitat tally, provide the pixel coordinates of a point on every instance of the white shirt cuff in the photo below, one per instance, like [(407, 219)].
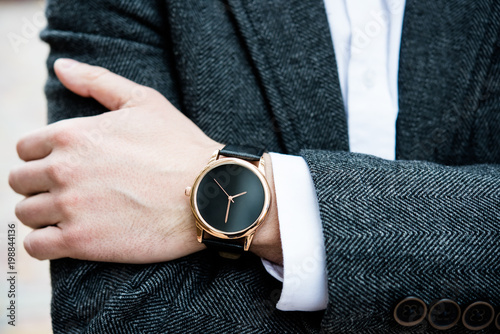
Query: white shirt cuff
[(303, 273)]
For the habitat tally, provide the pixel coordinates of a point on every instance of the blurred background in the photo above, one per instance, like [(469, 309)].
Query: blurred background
[(22, 109)]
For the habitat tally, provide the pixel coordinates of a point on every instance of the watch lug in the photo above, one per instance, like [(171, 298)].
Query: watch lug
[(262, 166), (199, 234), (214, 157), (248, 242)]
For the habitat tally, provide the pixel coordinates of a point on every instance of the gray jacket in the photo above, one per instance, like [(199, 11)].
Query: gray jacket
[(264, 73)]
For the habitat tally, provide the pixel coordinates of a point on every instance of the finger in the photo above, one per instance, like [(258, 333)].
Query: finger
[(46, 243), (111, 90), (35, 145), (38, 211), (31, 178)]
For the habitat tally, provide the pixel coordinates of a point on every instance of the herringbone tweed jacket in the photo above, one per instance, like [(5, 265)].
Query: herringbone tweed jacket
[(264, 73)]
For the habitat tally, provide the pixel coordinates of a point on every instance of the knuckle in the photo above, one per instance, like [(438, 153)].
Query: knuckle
[(72, 238), (58, 173), (65, 204), (150, 92), (63, 137), (54, 173), (60, 203), (75, 238), (95, 73)]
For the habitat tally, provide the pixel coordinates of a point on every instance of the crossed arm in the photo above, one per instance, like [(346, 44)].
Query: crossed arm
[(110, 187)]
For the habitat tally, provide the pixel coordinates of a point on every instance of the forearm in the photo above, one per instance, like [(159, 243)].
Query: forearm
[(405, 228)]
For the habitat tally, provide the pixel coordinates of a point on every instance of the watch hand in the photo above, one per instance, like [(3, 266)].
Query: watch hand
[(240, 194), (229, 199), (224, 191)]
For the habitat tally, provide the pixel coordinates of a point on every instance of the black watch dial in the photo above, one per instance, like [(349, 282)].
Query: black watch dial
[(230, 198)]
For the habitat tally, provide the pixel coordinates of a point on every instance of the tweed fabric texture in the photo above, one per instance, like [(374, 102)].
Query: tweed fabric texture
[(263, 73)]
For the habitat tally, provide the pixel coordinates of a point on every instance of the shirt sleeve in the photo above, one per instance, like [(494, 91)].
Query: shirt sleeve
[(303, 272)]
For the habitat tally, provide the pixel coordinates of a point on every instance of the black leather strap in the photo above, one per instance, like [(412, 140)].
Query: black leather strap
[(224, 245), (243, 152)]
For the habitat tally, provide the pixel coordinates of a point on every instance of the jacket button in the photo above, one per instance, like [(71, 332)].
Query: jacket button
[(444, 314), (497, 322), (410, 311), (478, 316)]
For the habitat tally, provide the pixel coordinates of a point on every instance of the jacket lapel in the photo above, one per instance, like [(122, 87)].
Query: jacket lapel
[(290, 46), (445, 51)]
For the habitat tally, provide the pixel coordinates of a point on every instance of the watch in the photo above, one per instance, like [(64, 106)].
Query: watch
[(230, 199)]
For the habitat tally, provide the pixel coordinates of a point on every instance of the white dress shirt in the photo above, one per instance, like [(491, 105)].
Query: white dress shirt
[(366, 36)]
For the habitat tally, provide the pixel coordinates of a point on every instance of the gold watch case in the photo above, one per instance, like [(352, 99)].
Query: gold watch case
[(202, 226)]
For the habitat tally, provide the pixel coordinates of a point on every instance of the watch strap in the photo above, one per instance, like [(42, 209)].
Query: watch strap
[(244, 152), (228, 249), (223, 245)]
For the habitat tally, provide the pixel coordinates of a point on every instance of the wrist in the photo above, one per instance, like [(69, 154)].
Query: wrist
[(267, 242)]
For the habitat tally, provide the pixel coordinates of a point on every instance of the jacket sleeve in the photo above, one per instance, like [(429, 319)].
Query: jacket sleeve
[(129, 38), (395, 229), (197, 294)]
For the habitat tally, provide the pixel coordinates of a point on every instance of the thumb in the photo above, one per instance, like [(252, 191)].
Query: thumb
[(111, 90)]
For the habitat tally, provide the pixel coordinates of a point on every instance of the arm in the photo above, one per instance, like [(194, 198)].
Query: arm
[(395, 229), (95, 296)]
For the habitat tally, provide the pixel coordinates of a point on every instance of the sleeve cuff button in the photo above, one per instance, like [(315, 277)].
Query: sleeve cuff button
[(410, 311), (444, 314), (478, 316)]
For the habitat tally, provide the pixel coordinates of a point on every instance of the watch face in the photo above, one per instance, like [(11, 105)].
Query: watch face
[(230, 198)]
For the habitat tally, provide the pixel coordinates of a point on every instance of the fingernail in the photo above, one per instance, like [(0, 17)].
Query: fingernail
[(65, 63)]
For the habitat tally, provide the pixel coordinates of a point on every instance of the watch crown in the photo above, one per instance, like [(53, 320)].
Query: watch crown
[(187, 191)]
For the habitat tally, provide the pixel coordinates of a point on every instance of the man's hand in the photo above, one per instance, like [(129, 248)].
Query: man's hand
[(110, 187)]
